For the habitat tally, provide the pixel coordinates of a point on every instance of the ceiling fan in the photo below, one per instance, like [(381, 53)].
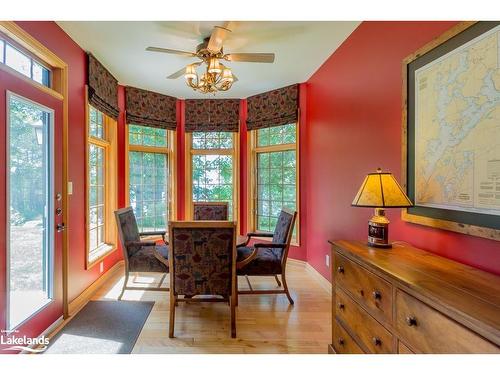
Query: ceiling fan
[(217, 76)]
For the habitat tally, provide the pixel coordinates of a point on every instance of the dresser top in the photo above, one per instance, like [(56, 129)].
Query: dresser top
[(468, 294)]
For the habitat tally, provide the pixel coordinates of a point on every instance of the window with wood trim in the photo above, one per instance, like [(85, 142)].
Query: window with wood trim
[(21, 61), (212, 169), (274, 176), (101, 186), (150, 177)]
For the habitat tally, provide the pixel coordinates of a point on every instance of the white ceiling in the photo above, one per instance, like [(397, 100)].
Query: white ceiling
[(300, 48)]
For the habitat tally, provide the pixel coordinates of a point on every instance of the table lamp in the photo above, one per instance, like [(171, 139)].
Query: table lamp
[(380, 190)]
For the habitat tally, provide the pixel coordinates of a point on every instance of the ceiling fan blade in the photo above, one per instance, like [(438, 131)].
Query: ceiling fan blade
[(217, 38), (172, 51), (250, 57), (180, 72)]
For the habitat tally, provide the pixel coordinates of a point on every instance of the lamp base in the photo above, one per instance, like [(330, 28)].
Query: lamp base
[(380, 246), (378, 230)]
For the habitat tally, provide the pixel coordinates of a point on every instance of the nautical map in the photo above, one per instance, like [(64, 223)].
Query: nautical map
[(457, 128)]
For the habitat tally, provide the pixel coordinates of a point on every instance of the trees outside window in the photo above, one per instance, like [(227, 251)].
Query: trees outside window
[(212, 169), (101, 186), (150, 183), (274, 175)]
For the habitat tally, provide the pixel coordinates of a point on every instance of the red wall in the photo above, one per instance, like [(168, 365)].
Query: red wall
[(54, 38), (353, 127)]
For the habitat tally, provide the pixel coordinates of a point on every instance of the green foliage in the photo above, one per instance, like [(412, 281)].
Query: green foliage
[(28, 185), (147, 136), (213, 179), (276, 186), (277, 135), (148, 189), (212, 140)]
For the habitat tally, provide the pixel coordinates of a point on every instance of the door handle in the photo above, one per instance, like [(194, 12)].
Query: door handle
[(60, 227)]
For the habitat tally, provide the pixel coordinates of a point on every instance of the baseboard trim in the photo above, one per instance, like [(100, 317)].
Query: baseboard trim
[(325, 284), (79, 302), (296, 262)]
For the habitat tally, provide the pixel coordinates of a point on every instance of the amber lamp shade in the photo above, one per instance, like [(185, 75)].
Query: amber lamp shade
[(380, 190)]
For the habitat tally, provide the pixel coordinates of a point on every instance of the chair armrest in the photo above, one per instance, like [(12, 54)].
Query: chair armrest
[(153, 233), (254, 234), (161, 233), (270, 245), (260, 234)]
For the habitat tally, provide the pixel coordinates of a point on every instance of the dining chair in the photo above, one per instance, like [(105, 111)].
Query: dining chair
[(140, 255), (267, 258), (202, 260), (210, 210)]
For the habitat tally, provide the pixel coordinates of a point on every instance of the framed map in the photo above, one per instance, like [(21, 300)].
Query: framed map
[(451, 131)]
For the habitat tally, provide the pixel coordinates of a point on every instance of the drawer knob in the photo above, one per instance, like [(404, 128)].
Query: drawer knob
[(340, 269), (340, 341), (411, 321), (376, 341), (377, 295), (340, 305)]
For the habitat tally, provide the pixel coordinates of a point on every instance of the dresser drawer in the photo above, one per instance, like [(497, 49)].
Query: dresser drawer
[(370, 332), (343, 343), (430, 331), (367, 288)]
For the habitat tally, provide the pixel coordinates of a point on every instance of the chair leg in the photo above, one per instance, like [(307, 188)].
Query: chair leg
[(277, 280), (285, 286), (171, 322), (233, 300), (237, 294), (124, 286)]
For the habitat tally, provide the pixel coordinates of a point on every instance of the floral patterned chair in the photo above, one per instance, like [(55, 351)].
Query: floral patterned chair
[(267, 258), (140, 255), (210, 211), (203, 264)]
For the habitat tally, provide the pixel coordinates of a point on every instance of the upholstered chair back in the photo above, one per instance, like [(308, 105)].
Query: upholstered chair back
[(210, 211), (202, 257), (127, 229), (284, 229)]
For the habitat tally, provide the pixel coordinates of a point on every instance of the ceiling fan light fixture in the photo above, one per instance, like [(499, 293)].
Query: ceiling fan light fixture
[(214, 66), (190, 72), (227, 75)]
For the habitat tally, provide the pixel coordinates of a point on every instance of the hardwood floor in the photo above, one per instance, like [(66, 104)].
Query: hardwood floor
[(264, 323)]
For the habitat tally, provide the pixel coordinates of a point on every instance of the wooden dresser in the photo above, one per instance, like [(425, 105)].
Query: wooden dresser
[(406, 300)]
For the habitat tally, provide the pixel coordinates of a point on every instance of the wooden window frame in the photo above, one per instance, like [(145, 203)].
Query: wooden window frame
[(234, 152), (109, 144), (170, 151), (253, 151)]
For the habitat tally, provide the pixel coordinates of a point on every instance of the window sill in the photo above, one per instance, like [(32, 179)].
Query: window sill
[(99, 254)]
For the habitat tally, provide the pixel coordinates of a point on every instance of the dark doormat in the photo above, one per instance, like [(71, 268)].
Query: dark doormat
[(102, 327)]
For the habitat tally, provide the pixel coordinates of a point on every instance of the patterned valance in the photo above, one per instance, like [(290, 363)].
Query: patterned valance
[(212, 115), (102, 88), (273, 108), (150, 108)]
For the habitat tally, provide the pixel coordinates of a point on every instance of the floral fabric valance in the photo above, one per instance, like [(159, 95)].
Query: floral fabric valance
[(212, 115), (151, 109), (273, 108), (102, 88)]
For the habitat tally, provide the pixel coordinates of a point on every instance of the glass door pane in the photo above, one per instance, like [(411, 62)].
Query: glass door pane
[(30, 222)]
